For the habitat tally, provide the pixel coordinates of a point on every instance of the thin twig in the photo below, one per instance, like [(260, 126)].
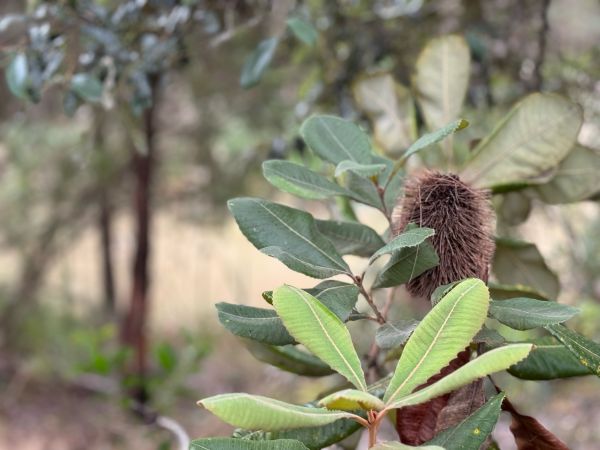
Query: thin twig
[(358, 280)]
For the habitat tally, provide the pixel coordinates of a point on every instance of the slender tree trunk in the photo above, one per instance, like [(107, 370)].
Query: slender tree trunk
[(104, 220), (105, 232), (134, 333)]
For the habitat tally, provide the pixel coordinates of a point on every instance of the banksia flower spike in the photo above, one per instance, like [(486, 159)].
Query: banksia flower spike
[(462, 218)]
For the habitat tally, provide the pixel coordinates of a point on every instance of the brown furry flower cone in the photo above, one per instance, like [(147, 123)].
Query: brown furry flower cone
[(463, 220)]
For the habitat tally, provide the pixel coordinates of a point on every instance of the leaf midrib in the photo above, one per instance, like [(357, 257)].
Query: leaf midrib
[(433, 342), (359, 383), (335, 138)]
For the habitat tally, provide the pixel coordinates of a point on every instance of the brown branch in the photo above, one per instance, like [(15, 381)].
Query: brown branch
[(358, 280)]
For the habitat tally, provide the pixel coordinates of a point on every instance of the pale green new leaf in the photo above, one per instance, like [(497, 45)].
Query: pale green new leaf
[(445, 331), (243, 444), (289, 235), (300, 181), (527, 145), (351, 400), (336, 140), (255, 412), (320, 331), (493, 361), (528, 313), (409, 238)]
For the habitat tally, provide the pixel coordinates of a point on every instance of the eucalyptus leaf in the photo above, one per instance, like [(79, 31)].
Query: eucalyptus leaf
[(320, 331), (336, 140), (289, 235), (17, 76), (527, 313), (549, 360), (255, 412), (350, 238), (242, 444), (303, 30), (586, 350), (520, 263), (259, 324), (391, 109), (257, 62), (300, 181), (472, 431), (87, 86), (527, 145), (445, 331)]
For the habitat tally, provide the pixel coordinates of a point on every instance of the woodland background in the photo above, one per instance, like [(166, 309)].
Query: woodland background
[(68, 219)]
